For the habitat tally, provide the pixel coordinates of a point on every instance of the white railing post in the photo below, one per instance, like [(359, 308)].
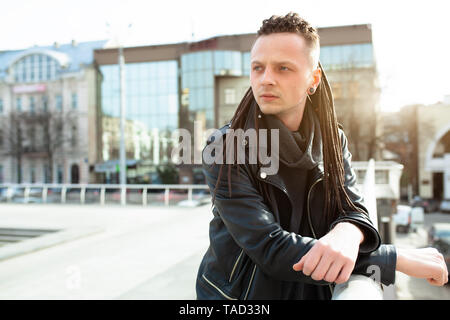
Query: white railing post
[(190, 194), (360, 287), (26, 194), (166, 196), (44, 194), (83, 195), (63, 194), (9, 194), (144, 197), (123, 195), (102, 196)]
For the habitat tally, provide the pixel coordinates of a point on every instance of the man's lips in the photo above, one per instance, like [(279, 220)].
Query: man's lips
[(268, 97)]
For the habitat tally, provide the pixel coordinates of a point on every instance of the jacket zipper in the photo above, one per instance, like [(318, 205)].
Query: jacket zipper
[(308, 212), (235, 265), (217, 288), (250, 283), (310, 222)]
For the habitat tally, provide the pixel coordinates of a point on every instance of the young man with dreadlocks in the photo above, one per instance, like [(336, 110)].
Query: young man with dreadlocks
[(295, 233)]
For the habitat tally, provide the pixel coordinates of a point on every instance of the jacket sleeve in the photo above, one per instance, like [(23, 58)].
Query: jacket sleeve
[(379, 265), (252, 225), (372, 238)]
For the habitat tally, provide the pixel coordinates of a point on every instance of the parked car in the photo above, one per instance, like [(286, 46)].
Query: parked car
[(429, 205), (439, 238), (408, 218), (7, 194), (445, 205), (17, 195)]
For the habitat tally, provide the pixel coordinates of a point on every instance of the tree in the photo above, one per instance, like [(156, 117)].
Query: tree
[(400, 135), (12, 133), (40, 134), (168, 173)]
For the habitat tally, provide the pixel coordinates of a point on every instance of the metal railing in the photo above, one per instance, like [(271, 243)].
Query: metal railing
[(98, 193), (360, 287)]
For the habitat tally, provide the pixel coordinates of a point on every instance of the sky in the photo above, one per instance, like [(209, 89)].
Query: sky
[(410, 37)]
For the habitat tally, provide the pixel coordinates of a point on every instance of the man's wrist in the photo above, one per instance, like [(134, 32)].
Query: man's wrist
[(400, 260), (354, 228)]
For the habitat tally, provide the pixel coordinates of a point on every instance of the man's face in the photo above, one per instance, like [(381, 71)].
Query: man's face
[(280, 66)]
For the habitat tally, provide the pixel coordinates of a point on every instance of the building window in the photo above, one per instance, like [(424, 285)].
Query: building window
[(347, 56), (1, 106), (74, 101), (230, 96), (46, 173), (31, 68), (32, 175), (59, 173), (49, 68), (19, 104), (23, 71), (360, 175), (58, 102), (32, 104), (33, 138), (44, 103), (59, 129), (40, 67), (74, 136), (381, 176), (1, 174), (35, 67)]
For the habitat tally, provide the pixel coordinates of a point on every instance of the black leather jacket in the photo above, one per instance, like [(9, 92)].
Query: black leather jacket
[(251, 257)]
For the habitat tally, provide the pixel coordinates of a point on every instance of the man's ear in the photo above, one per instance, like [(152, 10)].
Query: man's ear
[(317, 76)]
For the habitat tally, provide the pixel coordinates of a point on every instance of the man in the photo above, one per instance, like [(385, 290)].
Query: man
[(293, 233)]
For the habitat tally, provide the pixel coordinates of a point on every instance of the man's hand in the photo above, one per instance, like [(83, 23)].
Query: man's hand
[(425, 263), (333, 257)]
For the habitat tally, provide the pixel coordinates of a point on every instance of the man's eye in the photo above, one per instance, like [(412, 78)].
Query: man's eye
[(256, 68), (284, 68)]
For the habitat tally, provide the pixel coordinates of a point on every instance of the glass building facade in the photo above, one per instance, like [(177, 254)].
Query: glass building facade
[(198, 71), (152, 110), (151, 93), (162, 96), (347, 56)]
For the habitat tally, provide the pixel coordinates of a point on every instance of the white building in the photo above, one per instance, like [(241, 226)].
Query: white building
[(58, 81), (434, 150)]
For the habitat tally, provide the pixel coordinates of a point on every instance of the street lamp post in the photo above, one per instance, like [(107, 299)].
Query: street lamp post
[(120, 36), (122, 154)]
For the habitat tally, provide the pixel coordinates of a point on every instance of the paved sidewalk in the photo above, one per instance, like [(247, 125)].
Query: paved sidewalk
[(134, 253)]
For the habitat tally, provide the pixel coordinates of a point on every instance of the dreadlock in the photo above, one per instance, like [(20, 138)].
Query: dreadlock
[(322, 101)]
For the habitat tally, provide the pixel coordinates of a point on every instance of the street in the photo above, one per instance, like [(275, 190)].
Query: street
[(103, 252), (412, 288)]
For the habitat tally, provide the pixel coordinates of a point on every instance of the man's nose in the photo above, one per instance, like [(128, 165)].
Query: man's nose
[(267, 77)]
